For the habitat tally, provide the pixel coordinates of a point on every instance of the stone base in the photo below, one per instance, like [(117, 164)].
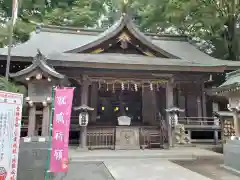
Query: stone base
[(127, 147), (232, 154), (234, 171), (80, 149), (184, 145), (127, 138)]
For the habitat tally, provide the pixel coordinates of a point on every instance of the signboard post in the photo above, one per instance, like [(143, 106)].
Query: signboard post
[(10, 127)]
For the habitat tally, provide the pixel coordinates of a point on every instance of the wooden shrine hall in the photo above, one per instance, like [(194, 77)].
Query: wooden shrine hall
[(118, 72)]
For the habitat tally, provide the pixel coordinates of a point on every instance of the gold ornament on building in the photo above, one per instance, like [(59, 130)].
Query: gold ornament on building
[(124, 37), (96, 51), (148, 53)]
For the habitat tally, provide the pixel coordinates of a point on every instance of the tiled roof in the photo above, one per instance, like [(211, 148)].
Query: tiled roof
[(57, 40), (39, 62), (232, 79)]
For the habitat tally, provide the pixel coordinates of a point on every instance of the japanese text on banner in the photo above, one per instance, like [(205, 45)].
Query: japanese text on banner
[(60, 132)]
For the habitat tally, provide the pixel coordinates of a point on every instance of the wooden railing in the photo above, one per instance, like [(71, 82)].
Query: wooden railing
[(149, 136), (101, 137), (193, 124), (199, 121)]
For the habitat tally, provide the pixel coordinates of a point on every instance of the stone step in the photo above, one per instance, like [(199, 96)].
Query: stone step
[(102, 158)]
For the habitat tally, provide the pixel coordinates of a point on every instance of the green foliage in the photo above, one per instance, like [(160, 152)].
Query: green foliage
[(83, 13), (211, 20), (6, 85), (212, 23)]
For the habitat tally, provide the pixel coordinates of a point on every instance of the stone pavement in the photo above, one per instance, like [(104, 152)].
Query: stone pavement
[(85, 171), (172, 154), (141, 164), (158, 169), (210, 167)]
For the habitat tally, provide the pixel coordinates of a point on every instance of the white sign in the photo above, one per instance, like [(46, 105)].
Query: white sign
[(83, 119), (10, 127), (124, 121)]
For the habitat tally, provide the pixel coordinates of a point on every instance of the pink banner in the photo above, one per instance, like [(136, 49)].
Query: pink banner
[(60, 133)]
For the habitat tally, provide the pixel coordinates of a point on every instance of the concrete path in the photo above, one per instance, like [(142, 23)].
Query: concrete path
[(175, 153), (150, 170), (148, 164)]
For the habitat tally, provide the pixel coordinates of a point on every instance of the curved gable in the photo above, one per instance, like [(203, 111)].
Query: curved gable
[(123, 37)]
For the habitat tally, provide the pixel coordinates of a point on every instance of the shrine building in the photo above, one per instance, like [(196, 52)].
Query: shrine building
[(118, 72)]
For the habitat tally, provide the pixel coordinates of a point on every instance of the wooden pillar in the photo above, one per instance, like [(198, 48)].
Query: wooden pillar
[(204, 105), (199, 107), (169, 104), (186, 102), (94, 101), (32, 120), (148, 105), (190, 134), (181, 101), (144, 107), (121, 108), (215, 108), (84, 100), (46, 120)]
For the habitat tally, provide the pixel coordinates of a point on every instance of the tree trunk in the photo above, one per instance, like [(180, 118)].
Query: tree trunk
[(232, 40)]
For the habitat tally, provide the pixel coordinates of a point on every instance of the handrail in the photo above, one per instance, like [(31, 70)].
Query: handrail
[(204, 121)]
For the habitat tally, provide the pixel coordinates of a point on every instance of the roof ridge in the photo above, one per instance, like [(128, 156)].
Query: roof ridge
[(72, 28), (92, 31), (80, 32)]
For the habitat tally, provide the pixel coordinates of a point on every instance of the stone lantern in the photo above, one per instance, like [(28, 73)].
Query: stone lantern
[(172, 123), (39, 77), (83, 122)]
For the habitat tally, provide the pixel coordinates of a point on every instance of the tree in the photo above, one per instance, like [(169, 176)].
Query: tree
[(29, 10), (81, 13), (10, 86), (212, 24), (214, 21)]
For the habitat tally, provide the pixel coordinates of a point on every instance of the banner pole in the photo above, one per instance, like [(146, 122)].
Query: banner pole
[(10, 42), (50, 135)]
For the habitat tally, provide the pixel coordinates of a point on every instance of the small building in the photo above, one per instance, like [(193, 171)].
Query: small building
[(230, 89), (118, 72)]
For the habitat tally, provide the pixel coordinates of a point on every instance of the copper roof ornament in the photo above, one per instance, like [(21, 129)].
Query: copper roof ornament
[(124, 7)]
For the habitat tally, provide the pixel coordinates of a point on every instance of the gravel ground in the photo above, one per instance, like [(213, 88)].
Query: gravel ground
[(209, 167)]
